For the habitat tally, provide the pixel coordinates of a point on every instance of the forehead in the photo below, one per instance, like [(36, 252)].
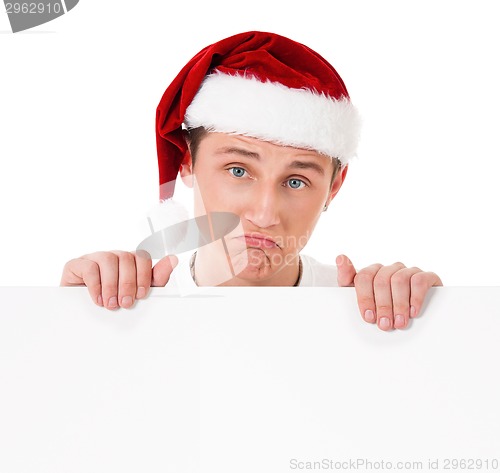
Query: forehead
[(223, 144)]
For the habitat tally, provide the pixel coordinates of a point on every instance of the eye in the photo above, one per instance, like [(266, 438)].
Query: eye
[(237, 171), (296, 183)]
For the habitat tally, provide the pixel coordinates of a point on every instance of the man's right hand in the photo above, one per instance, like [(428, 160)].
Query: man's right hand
[(117, 278)]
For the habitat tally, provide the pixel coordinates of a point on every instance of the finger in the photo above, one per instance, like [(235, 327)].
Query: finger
[(383, 295), (419, 285), (400, 287), (363, 282), (345, 271), (72, 273), (127, 279), (163, 269), (79, 272), (108, 269), (144, 273)]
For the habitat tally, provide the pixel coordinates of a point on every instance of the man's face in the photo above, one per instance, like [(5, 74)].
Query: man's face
[(277, 191)]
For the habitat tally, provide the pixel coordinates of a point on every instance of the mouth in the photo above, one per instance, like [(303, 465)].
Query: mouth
[(258, 240)]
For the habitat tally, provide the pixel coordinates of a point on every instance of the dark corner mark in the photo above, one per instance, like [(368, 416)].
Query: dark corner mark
[(25, 14)]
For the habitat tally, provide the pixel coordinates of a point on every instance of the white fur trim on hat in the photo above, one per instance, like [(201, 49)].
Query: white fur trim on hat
[(273, 112)]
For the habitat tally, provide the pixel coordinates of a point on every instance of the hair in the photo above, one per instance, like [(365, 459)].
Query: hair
[(194, 136)]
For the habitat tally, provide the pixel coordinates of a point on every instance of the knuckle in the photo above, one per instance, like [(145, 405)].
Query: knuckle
[(94, 289), (127, 289), (381, 283), (144, 277), (399, 278), (365, 300), (127, 286), (126, 257), (68, 267), (143, 265), (71, 262), (142, 255), (91, 265), (108, 288), (384, 309), (363, 276), (94, 256), (419, 280), (91, 270), (107, 258), (96, 286), (401, 308)]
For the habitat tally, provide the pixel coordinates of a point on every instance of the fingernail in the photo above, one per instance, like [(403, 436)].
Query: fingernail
[(126, 301), (99, 300), (399, 321), (141, 292), (385, 323), (369, 316), (413, 311), (113, 302)]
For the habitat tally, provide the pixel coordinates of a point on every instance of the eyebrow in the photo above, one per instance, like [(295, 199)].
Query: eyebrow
[(250, 154), (240, 151), (307, 165)]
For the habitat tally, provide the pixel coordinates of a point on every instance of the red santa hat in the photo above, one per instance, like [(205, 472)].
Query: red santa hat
[(261, 85)]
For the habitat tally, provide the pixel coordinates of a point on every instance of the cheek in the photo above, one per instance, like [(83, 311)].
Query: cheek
[(300, 224), (212, 194), (304, 212), (303, 232)]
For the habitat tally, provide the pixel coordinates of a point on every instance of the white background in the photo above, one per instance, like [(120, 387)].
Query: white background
[(78, 96)]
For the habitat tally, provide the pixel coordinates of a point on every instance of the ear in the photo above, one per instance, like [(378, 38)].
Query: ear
[(337, 183), (186, 169)]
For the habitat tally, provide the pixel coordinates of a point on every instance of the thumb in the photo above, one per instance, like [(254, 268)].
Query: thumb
[(346, 271), (163, 269)]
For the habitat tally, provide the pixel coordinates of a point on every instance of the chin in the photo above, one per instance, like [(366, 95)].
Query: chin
[(252, 265)]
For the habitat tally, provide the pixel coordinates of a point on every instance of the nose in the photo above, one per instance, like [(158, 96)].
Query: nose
[(262, 207)]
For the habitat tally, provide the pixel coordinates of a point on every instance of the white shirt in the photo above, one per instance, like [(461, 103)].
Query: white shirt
[(314, 274)]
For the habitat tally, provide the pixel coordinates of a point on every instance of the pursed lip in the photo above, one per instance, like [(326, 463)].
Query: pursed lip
[(259, 240)]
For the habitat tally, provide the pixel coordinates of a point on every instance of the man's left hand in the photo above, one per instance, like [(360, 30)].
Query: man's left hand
[(387, 295)]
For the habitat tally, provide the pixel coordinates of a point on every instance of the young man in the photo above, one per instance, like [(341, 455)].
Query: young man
[(262, 128)]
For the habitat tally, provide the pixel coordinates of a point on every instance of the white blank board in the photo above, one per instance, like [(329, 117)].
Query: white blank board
[(246, 380)]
